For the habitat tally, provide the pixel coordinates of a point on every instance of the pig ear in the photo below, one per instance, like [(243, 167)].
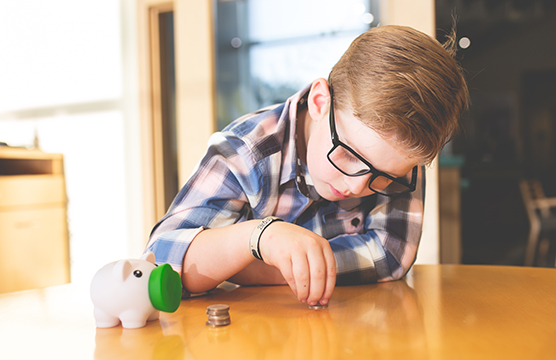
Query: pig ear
[(121, 270), (148, 256)]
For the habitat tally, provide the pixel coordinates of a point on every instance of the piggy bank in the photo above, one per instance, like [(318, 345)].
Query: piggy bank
[(133, 291)]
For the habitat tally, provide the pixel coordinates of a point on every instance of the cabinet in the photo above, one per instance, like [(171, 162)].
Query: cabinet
[(450, 210), (34, 243)]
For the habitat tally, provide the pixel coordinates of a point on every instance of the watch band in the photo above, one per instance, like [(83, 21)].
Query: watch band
[(256, 235)]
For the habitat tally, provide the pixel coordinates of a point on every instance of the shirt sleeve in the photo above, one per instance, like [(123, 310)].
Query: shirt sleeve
[(214, 196), (388, 248)]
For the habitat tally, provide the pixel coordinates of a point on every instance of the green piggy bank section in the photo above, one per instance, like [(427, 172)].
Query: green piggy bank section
[(165, 288)]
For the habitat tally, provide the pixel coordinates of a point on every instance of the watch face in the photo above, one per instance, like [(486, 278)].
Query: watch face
[(265, 222), (256, 235)]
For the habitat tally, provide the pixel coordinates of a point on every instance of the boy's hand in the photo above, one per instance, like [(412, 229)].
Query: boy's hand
[(304, 258)]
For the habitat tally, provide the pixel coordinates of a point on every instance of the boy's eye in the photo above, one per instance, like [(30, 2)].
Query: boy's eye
[(137, 273), (355, 165), (347, 162), (344, 155), (355, 160)]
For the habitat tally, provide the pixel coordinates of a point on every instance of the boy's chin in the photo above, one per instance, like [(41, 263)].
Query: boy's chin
[(325, 195)]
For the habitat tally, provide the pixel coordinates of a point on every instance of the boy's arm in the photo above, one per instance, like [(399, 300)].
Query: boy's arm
[(218, 254), (205, 235), (292, 255)]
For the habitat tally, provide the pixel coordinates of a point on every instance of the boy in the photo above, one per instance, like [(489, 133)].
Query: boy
[(326, 188)]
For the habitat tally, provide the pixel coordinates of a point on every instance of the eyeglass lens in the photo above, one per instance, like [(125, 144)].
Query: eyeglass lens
[(350, 165), (347, 162)]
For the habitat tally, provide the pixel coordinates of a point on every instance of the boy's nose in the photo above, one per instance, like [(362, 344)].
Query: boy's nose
[(358, 184)]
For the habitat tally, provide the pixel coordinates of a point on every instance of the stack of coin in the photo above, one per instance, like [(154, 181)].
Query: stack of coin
[(218, 315)]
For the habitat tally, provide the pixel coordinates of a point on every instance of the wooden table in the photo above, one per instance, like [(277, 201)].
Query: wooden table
[(436, 312)]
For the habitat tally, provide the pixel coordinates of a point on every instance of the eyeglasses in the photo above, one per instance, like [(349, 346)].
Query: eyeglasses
[(350, 163)]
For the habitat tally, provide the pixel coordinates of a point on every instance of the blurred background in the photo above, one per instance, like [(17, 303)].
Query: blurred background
[(509, 133), (99, 82)]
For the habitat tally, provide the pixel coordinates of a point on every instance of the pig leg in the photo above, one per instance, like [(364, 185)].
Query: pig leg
[(133, 319), (104, 320)]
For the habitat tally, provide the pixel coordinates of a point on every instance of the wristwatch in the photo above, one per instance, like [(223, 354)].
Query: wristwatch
[(256, 235)]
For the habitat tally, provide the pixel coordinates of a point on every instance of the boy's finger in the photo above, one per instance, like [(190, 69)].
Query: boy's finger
[(330, 277), (317, 268), (287, 273), (300, 269)]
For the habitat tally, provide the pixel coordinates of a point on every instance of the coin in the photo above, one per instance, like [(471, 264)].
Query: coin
[(218, 309), (218, 315), (218, 322), (318, 306)]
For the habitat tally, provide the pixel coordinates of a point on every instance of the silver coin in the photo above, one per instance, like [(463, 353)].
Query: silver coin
[(218, 322), (218, 309), (218, 315), (318, 307)]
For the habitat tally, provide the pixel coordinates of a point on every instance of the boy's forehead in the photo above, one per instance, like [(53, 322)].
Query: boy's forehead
[(383, 151)]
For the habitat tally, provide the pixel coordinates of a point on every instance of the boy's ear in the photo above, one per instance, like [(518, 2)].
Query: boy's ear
[(319, 99)]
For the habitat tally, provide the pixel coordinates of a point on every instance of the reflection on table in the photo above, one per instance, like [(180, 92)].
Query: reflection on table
[(436, 312)]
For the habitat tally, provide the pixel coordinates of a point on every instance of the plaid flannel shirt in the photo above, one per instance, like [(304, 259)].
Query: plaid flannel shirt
[(251, 170)]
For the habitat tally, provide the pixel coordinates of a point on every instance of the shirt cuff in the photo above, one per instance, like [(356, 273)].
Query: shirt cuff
[(170, 247)]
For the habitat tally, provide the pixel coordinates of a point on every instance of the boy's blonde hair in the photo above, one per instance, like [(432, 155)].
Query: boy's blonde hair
[(401, 82)]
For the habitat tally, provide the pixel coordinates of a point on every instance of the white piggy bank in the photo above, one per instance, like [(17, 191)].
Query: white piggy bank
[(133, 291)]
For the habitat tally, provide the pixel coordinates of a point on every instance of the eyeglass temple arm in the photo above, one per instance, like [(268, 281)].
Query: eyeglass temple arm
[(332, 118)]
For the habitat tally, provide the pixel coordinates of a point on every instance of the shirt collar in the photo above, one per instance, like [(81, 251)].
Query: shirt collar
[(292, 167)]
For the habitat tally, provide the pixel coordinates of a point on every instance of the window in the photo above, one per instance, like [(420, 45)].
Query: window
[(267, 50)]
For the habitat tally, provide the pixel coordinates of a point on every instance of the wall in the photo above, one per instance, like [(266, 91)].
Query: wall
[(68, 80), (420, 15)]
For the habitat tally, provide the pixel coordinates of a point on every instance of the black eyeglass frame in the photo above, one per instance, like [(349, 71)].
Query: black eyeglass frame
[(376, 173)]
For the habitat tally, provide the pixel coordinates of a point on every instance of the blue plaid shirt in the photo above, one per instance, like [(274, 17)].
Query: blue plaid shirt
[(251, 170)]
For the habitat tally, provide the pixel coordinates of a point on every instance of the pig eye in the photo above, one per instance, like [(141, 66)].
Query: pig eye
[(137, 273)]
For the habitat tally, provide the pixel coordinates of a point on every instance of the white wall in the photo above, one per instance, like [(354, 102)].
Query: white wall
[(68, 75), (420, 15)]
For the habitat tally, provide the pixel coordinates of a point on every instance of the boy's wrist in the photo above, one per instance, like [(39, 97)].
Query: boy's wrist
[(254, 240)]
